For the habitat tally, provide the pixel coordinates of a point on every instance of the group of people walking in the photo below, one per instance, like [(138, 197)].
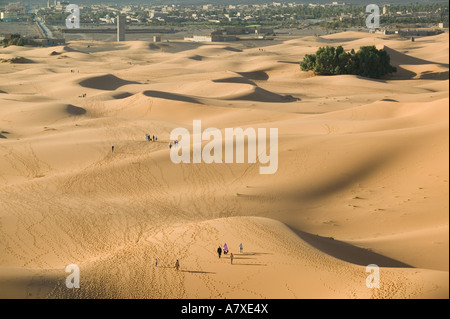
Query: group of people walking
[(219, 252), (176, 266), (175, 143), (225, 251), (152, 138)]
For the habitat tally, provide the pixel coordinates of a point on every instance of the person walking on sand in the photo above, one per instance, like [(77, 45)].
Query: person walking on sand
[(156, 262), (112, 148), (225, 249), (231, 258), (241, 248), (170, 145), (219, 251), (177, 265)]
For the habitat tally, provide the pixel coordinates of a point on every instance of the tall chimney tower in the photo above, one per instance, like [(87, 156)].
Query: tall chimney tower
[(120, 28)]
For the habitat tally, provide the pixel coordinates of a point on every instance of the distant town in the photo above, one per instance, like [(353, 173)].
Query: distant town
[(220, 22)]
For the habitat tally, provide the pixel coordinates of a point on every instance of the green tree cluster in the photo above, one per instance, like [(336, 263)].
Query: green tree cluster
[(368, 62), (14, 41)]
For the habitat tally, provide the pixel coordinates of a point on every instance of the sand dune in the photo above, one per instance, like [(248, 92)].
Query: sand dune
[(362, 172)]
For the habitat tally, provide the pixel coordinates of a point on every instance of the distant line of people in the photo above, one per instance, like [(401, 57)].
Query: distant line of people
[(152, 138), (148, 137)]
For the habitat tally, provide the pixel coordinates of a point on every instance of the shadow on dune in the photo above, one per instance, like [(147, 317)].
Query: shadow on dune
[(261, 95), (171, 96), (69, 49), (232, 49), (389, 100), (398, 58), (404, 59), (255, 254), (347, 252), (120, 96), (75, 110), (434, 76), (197, 272), (255, 75), (402, 74), (196, 57), (2, 136), (107, 82), (235, 79), (289, 62), (258, 95), (20, 60)]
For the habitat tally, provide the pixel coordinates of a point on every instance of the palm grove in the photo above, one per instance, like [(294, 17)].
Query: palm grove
[(367, 61)]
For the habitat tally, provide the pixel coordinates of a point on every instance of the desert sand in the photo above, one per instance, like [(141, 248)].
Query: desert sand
[(362, 175)]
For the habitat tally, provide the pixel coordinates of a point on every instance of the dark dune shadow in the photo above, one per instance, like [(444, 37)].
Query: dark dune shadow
[(2, 136), (2, 91), (75, 110), (255, 254), (398, 57), (403, 74), (20, 60), (434, 76), (347, 252), (197, 272), (255, 75), (379, 80), (122, 95), (261, 95), (289, 62), (389, 100), (232, 49), (171, 96), (235, 79), (107, 82), (196, 57), (69, 49)]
